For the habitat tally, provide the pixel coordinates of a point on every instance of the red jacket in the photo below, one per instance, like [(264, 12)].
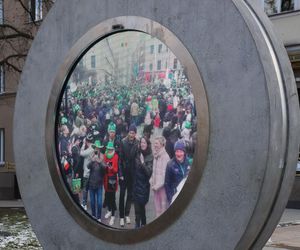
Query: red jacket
[(111, 172)]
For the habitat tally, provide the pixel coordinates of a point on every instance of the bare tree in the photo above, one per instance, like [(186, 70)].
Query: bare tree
[(18, 30)]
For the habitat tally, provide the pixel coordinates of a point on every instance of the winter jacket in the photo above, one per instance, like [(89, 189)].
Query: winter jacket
[(159, 169), (142, 174), (96, 174), (111, 172), (87, 155), (128, 152), (175, 172)]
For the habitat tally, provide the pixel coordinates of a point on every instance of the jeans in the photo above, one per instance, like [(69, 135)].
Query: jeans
[(96, 201)]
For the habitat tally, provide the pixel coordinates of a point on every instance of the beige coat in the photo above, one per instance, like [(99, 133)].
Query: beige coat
[(160, 162)]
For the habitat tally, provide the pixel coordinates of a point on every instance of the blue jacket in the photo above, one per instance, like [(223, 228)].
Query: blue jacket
[(175, 172)]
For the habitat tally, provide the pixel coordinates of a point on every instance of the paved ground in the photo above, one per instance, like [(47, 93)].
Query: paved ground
[(287, 233)]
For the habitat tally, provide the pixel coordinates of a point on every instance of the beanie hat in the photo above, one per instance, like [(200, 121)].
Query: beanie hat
[(111, 127), (132, 127), (179, 145)]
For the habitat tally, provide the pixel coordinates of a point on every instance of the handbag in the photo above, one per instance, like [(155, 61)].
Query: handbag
[(76, 185)]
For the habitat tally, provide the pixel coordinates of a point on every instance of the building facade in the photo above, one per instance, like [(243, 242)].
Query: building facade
[(19, 21), (26, 15)]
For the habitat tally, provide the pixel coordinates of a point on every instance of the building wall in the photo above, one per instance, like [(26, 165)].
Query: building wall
[(287, 27), (14, 15)]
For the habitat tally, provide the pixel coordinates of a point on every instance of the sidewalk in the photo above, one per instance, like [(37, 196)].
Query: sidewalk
[(285, 237), (287, 233), (11, 204)]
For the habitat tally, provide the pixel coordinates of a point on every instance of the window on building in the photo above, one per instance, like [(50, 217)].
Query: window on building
[(36, 10), (278, 6), (2, 147), (175, 63), (93, 61), (159, 48), (150, 67), (159, 65), (2, 79), (151, 49), (1, 12)]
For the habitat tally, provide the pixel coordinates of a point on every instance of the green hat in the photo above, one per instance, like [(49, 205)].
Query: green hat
[(76, 108), (111, 127), (110, 145), (188, 125), (97, 144), (64, 120)]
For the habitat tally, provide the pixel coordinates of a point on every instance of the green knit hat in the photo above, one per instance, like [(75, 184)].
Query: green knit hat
[(111, 127)]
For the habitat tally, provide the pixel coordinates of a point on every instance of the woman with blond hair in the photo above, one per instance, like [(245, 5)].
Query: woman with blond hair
[(157, 180)]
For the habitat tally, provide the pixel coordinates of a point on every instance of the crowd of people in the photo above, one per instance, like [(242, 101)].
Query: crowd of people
[(126, 140)]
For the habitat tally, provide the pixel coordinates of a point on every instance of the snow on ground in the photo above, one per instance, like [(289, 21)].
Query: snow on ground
[(15, 231)]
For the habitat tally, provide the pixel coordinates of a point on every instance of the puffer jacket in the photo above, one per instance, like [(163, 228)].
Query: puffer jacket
[(142, 174), (175, 172)]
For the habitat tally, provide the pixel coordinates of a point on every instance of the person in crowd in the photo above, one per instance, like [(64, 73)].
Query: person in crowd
[(177, 170), (111, 181), (160, 162), (75, 151), (141, 186), (86, 152), (156, 123), (186, 131), (79, 121), (134, 112), (169, 145), (95, 182), (111, 138), (128, 152), (65, 153)]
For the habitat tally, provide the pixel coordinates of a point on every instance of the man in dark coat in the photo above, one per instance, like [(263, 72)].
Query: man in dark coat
[(128, 152)]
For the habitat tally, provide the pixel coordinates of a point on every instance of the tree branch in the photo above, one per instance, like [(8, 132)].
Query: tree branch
[(6, 62), (28, 11), (18, 33)]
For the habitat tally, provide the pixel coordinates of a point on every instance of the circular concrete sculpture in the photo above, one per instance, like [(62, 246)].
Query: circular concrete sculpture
[(247, 114)]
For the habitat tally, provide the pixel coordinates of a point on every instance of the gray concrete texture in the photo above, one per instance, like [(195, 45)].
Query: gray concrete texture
[(246, 142)]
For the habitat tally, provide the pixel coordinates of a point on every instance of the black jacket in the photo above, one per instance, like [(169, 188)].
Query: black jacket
[(96, 174), (128, 152), (142, 174)]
